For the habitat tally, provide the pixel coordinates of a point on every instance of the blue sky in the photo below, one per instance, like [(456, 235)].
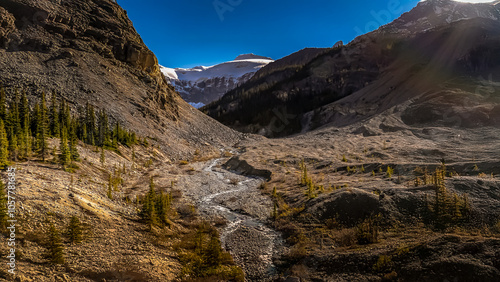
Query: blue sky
[(187, 33)]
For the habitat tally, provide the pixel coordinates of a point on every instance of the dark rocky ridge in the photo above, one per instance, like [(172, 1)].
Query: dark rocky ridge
[(439, 56), (89, 51)]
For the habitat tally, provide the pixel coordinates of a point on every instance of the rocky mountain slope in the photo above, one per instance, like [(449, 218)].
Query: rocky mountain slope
[(202, 85), (432, 13), (400, 182), (393, 60), (89, 51)]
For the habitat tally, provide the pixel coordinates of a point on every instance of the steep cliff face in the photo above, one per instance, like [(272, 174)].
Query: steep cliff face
[(88, 51), (99, 27)]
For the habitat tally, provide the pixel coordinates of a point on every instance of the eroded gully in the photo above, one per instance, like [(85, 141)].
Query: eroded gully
[(223, 195)]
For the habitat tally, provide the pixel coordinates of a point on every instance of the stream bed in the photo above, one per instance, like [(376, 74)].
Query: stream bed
[(223, 195)]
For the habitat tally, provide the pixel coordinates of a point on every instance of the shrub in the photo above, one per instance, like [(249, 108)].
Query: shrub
[(74, 231), (346, 237), (496, 228), (156, 207), (55, 248), (332, 223), (367, 232), (393, 276), (390, 172), (447, 208), (203, 257), (383, 264)]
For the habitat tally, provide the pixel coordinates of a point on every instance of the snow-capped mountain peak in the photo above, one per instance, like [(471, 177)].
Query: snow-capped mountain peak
[(251, 57), (201, 85)]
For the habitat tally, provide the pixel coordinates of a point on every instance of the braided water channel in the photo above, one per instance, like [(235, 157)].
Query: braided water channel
[(221, 194)]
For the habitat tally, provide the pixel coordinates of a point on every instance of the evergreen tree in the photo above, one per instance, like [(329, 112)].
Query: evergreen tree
[(66, 118), (74, 231), (103, 156), (148, 211), (457, 213), (102, 136), (84, 133), (90, 124), (42, 129), (25, 143), (116, 136), (213, 252), (73, 142), (24, 112), (54, 117), (65, 155), (163, 205), (54, 245), (4, 146), (4, 215), (13, 116), (64, 114), (24, 137), (35, 116), (110, 187), (13, 148), (3, 110)]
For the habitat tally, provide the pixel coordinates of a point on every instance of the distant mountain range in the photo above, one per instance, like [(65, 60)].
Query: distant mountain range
[(417, 66), (202, 85)]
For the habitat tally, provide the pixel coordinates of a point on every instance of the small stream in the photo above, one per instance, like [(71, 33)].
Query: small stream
[(221, 194)]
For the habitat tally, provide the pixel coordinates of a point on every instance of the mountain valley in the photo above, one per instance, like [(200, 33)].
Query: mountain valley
[(378, 160)]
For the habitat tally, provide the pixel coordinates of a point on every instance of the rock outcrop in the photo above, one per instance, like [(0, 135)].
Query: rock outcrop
[(89, 51), (242, 167)]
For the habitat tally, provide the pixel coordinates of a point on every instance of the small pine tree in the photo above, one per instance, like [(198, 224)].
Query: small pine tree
[(4, 146), (3, 110), (110, 187), (54, 245), (24, 111), (148, 211), (311, 189), (65, 155), (54, 117), (418, 182), (275, 211), (75, 156), (42, 129), (368, 231), (213, 252), (163, 203), (74, 231), (13, 115), (103, 156), (13, 148), (457, 213), (4, 215), (390, 172)]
